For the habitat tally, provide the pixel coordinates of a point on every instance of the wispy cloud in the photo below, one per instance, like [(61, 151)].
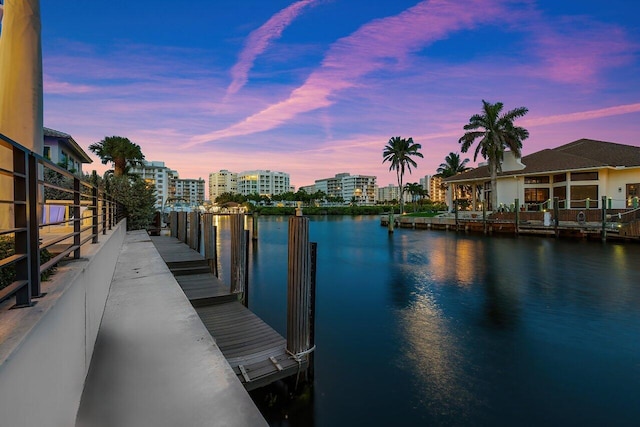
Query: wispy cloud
[(53, 86), (577, 49), (374, 46), (259, 40), (583, 115)]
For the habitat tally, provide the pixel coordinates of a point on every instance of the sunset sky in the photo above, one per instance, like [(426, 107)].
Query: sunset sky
[(317, 87)]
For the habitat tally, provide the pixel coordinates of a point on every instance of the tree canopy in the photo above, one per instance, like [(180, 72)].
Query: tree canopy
[(399, 152), (495, 133), (119, 151)]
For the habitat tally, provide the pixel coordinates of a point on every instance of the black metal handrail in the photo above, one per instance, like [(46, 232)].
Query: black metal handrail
[(30, 230)]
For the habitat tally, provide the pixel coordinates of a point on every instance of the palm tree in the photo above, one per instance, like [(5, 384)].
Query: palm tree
[(398, 152), (119, 151), (497, 133), (452, 165), (415, 190)]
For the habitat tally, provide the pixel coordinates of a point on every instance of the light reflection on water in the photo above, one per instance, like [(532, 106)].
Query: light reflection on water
[(433, 327)]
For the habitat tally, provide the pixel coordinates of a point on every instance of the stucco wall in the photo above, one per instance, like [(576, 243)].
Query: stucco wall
[(45, 350)]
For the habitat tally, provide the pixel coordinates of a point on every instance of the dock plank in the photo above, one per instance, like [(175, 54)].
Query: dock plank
[(243, 338)]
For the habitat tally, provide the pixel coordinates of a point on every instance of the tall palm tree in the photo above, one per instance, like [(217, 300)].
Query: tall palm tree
[(399, 152), (119, 151), (496, 133), (415, 190), (452, 165)]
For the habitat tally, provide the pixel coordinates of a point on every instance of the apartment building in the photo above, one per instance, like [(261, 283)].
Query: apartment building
[(191, 190), (361, 187), (160, 176), (222, 182), (263, 182)]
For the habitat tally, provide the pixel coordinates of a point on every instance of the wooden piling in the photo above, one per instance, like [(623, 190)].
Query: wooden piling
[(312, 308), (390, 222), (210, 232), (194, 230), (254, 223), (556, 213), (484, 216), (517, 209), (182, 226), (173, 223), (245, 294), (299, 288), (238, 258), (455, 210), (604, 218)]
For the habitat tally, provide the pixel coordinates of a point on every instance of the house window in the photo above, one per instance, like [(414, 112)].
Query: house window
[(47, 153), (633, 190), (561, 177), (536, 179), (584, 176), (580, 194), (561, 194), (535, 196)]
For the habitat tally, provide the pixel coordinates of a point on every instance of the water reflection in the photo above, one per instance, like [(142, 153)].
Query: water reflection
[(428, 327)]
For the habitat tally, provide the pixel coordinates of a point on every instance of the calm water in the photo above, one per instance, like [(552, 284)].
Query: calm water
[(437, 328)]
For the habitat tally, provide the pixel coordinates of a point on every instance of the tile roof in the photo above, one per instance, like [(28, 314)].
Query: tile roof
[(48, 132), (580, 154)]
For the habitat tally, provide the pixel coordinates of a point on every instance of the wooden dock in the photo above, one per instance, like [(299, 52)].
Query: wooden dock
[(255, 351)]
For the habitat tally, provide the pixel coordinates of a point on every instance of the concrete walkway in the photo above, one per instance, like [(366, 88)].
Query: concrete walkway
[(154, 363)]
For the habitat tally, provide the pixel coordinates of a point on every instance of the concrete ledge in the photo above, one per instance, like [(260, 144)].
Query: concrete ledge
[(45, 349), (155, 364)]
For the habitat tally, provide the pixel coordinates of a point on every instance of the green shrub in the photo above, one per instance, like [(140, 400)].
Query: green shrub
[(8, 274)]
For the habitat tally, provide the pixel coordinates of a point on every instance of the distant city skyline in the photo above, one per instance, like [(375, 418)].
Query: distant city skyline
[(316, 87)]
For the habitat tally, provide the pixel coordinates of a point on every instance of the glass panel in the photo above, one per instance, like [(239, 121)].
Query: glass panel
[(584, 176), (561, 177), (579, 194), (536, 179)]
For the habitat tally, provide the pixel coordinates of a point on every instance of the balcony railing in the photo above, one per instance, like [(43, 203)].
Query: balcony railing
[(31, 224)]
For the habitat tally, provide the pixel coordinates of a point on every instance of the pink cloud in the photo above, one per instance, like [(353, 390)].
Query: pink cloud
[(583, 115), (52, 86), (259, 40), (368, 49)]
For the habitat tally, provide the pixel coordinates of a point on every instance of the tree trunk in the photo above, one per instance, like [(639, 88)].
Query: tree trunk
[(493, 167)]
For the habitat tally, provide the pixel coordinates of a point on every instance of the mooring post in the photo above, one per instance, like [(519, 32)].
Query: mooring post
[(254, 223), (556, 214), (182, 226), (312, 308), (455, 211), (238, 258), (173, 223), (517, 209), (245, 294), (484, 216), (604, 218), (210, 235), (194, 229), (390, 222), (299, 288)]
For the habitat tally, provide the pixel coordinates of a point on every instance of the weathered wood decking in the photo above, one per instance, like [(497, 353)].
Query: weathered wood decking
[(254, 350)]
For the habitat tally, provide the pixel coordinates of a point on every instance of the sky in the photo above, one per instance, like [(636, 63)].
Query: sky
[(317, 87)]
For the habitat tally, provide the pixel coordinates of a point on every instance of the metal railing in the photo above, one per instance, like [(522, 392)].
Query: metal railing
[(29, 228)]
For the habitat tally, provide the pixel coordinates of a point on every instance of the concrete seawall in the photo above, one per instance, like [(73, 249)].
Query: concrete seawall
[(45, 350)]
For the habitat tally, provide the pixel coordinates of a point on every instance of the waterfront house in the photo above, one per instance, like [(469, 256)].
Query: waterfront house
[(63, 150), (579, 173)]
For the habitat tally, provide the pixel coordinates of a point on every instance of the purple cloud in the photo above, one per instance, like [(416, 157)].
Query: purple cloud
[(259, 40), (368, 49)]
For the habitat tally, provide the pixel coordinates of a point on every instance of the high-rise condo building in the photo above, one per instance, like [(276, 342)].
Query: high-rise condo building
[(160, 176), (263, 182), (222, 182), (191, 190), (361, 188)]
